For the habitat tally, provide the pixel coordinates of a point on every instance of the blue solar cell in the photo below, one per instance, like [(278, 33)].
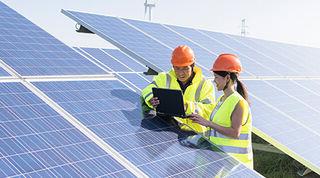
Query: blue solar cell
[(303, 94), (112, 112), (280, 67), (311, 85), (128, 74), (130, 62), (107, 60), (281, 52), (305, 56), (172, 39), (40, 142), (282, 117), (250, 63), (128, 39), (3, 72), (31, 51), (135, 79)]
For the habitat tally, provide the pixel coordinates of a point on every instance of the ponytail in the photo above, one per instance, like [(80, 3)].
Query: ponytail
[(241, 88)]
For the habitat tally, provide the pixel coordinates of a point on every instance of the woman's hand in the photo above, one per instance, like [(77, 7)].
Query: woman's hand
[(200, 120)]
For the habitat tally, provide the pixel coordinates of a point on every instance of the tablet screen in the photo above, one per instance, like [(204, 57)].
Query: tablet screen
[(171, 102)]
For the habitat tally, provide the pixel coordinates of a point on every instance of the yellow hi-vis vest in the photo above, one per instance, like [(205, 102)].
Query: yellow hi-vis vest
[(240, 148), (199, 96)]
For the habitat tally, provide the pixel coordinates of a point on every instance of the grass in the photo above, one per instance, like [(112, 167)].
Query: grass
[(274, 165)]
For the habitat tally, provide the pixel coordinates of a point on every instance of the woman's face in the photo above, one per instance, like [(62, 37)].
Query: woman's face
[(220, 81)]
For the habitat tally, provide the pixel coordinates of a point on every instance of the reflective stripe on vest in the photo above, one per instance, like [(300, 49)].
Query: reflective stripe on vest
[(168, 81), (197, 95), (231, 149), (234, 149), (216, 108), (206, 101), (154, 83), (241, 137)]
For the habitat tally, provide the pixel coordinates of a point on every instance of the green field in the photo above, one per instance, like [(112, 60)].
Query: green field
[(275, 165)]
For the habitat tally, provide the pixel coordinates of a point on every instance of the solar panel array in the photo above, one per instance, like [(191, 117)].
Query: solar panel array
[(156, 153), (111, 110), (29, 50), (283, 114), (152, 44), (38, 142), (58, 118), (287, 114)]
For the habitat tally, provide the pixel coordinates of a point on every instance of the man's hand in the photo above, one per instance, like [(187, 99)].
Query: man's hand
[(154, 102)]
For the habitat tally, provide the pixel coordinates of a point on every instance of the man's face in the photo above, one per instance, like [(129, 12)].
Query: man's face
[(183, 73)]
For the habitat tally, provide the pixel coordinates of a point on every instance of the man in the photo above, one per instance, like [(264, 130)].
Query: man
[(198, 93)]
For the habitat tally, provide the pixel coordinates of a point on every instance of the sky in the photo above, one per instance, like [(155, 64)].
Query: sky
[(289, 21)]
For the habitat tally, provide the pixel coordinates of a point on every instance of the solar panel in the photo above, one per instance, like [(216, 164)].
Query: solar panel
[(282, 52), (253, 58), (288, 116), (306, 56), (205, 43), (107, 59), (138, 80), (31, 51), (165, 35), (37, 142), (130, 62), (121, 65), (111, 111), (128, 39)]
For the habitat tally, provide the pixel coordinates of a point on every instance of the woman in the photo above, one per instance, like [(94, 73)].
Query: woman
[(230, 121)]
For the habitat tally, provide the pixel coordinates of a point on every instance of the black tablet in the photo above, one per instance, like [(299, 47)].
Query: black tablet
[(171, 102)]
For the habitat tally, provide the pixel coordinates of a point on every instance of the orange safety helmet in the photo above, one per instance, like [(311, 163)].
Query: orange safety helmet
[(228, 63), (182, 56)]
